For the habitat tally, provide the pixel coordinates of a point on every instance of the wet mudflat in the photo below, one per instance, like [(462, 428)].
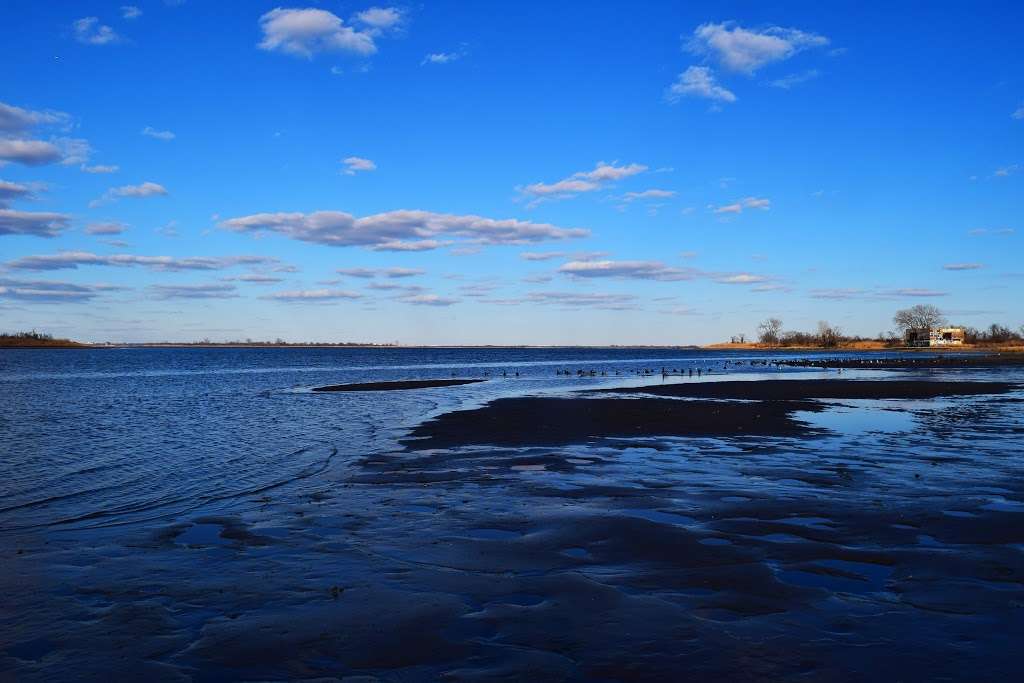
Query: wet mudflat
[(882, 541), (401, 385)]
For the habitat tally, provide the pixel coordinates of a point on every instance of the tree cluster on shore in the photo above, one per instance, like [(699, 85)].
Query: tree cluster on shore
[(920, 317), (33, 338)]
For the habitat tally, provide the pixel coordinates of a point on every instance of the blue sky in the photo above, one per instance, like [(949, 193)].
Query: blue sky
[(586, 173)]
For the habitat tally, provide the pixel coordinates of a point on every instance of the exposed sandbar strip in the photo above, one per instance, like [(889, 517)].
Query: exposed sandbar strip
[(400, 385)]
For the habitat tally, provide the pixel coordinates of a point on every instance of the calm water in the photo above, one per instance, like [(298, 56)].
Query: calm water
[(200, 513)]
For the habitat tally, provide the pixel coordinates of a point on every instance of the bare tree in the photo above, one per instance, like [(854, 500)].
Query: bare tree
[(828, 336), (922, 316), (769, 330)]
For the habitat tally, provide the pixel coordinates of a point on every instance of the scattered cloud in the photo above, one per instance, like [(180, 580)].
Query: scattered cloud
[(982, 232), (698, 81), (70, 260), (1006, 170), (108, 228), (202, 291), (441, 57), (792, 80), (28, 152), (856, 293), (355, 165), (740, 279), (313, 295), (963, 266), (582, 181), (541, 255), (1018, 113), (10, 192), (254, 278), (146, 189), (130, 12), (17, 120), (101, 169), (380, 19), (634, 270), (307, 32), (398, 230), (648, 194), (745, 50), (428, 300), (164, 135), (392, 273), (48, 291), (748, 203), (89, 31), (43, 224)]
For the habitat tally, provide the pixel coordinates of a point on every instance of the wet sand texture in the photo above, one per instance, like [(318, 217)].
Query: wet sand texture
[(798, 390), (400, 385), (536, 421)]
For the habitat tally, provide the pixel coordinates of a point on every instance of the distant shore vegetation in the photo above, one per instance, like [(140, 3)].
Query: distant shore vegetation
[(34, 338), (770, 333)]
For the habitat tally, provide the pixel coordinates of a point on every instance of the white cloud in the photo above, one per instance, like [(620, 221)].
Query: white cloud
[(391, 273), (635, 270), (11, 191), (793, 80), (379, 19), (71, 260), (428, 300), (355, 165), (306, 32), (314, 295), (648, 194), (105, 228), (255, 278), (164, 135), (44, 224), (398, 230), (442, 57), (15, 119), (698, 81), (130, 12), (146, 189), (740, 279), (981, 232), (48, 291), (28, 152), (1006, 170), (90, 31), (202, 291), (1019, 113), (541, 255), (872, 294), (746, 50), (570, 300), (963, 266), (101, 169), (582, 181), (748, 203)]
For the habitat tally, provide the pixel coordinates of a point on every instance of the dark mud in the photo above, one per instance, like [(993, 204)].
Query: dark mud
[(799, 390), (910, 362), (767, 411), (400, 385), (535, 421)]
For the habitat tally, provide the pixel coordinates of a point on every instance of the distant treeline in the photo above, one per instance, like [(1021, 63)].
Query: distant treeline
[(257, 342), (33, 338), (926, 317)]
